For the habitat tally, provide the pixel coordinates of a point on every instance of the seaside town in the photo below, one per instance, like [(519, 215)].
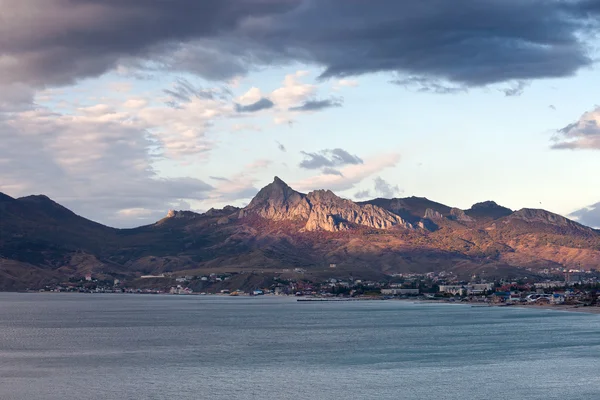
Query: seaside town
[(575, 287)]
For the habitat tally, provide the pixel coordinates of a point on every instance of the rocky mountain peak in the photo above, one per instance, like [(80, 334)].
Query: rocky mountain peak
[(432, 214), (487, 210), (38, 199), (484, 205), (277, 192), (542, 216), (279, 182), (46, 205), (5, 198), (320, 209), (278, 201), (182, 214), (459, 215), (326, 196)]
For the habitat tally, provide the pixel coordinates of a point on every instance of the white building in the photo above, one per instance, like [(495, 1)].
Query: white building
[(470, 288), (400, 291)]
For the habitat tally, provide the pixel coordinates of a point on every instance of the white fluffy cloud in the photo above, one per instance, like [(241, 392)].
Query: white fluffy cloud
[(97, 152), (582, 134), (97, 161)]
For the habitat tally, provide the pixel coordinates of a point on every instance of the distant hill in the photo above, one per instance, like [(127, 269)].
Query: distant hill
[(42, 241)]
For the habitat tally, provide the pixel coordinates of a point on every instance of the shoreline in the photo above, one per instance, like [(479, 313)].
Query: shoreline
[(550, 307)]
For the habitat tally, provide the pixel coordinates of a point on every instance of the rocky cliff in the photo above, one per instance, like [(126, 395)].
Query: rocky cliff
[(319, 210)]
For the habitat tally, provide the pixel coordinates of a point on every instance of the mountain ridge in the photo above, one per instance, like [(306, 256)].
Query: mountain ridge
[(283, 228)]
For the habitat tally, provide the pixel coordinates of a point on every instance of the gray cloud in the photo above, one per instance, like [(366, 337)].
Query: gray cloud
[(580, 135), (516, 89), (183, 92), (98, 168), (589, 216), (461, 41), (16, 97), (262, 104), (317, 105), (281, 147), (384, 189), (362, 194), (329, 158), (427, 85), (219, 178), (552, 107), (44, 37), (331, 171)]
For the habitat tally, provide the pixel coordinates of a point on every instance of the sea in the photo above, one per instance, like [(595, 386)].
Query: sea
[(127, 346)]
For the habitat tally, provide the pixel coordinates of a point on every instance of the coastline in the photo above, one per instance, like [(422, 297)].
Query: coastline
[(552, 307)]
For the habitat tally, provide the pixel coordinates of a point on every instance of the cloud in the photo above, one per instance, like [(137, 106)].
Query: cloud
[(317, 105), (351, 174), (516, 89), (552, 107), (381, 189), (427, 85), (241, 186), (16, 97), (253, 95), (328, 158), (183, 92), (245, 127), (293, 90), (41, 38), (384, 189), (95, 163), (347, 83), (331, 171), (262, 104), (219, 178), (589, 216), (580, 135), (362, 194), (460, 42), (281, 147)]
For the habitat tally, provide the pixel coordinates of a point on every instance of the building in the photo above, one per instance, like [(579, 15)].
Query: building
[(470, 288), (399, 291), (547, 285)]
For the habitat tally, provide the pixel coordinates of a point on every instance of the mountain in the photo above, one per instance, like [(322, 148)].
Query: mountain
[(321, 210), (488, 210), (42, 241)]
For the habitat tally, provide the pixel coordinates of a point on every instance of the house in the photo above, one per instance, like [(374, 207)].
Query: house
[(396, 292), (500, 297), (470, 288), (557, 298)]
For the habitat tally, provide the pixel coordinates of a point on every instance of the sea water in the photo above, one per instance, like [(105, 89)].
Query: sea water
[(117, 346)]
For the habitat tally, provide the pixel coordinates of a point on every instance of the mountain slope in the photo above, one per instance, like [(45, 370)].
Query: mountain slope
[(41, 241)]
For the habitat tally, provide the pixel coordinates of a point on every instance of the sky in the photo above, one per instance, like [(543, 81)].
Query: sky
[(124, 109)]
